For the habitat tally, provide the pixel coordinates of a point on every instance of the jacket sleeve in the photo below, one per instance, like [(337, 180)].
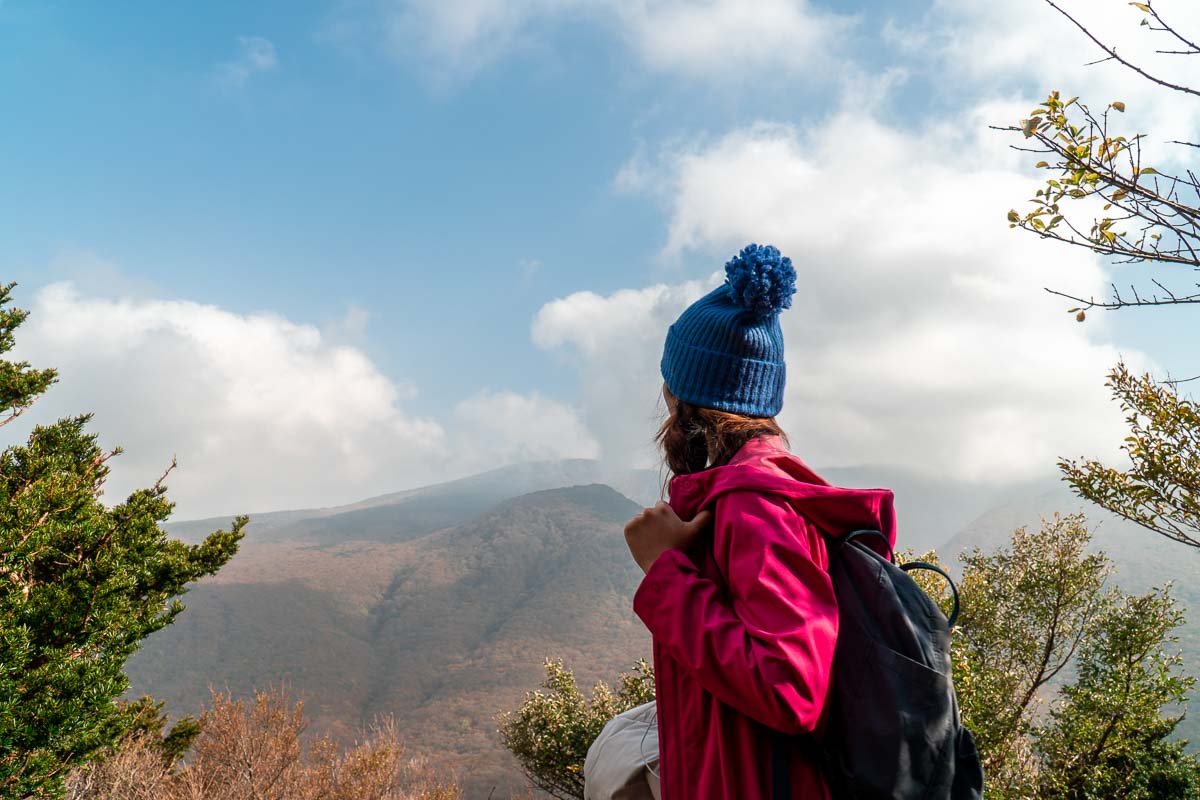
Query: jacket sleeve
[(765, 647)]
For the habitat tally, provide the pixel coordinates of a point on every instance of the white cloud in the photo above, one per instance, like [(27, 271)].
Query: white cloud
[(714, 40), (730, 39), (263, 413), (255, 54), (617, 342), (521, 428), (459, 38), (920, 334), (995, 49)]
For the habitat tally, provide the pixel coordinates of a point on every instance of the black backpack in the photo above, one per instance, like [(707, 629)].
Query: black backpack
[(892, 728)]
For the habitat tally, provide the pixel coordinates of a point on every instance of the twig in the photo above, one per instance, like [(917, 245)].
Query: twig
[(167, 472), (1112, 52), (1090, 303), (16, 412), (1193, 49)]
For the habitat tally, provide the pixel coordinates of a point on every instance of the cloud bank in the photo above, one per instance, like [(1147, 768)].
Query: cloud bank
[(263, 413), (1026, 48), (920, 335), (715, 40)]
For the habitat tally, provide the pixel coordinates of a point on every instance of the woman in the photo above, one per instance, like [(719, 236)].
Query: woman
[(736, 592)]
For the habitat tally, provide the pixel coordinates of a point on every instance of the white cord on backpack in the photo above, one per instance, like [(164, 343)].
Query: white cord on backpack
[(642, 745)]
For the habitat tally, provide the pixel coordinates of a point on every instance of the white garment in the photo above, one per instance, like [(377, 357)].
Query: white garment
[(622, 764)]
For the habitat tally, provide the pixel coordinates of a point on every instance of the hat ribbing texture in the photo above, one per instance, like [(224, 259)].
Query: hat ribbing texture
[(726, 350)]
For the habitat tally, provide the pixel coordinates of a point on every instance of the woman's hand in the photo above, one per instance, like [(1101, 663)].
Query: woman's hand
[(658, 529)]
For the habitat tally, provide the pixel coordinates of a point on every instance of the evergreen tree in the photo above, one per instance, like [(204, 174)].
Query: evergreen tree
[(81, 585)]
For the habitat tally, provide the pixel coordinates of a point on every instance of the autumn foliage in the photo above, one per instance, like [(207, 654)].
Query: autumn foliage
[(257, 750)]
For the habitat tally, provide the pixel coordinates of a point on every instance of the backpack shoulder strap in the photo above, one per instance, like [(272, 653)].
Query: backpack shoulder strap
[(872, 534), (912, 565)]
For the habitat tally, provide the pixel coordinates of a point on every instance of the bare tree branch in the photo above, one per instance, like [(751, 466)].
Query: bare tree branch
[(1118, 302), (1112, 54)]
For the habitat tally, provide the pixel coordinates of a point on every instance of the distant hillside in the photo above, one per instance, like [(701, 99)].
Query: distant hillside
[(415, 512), (444, 630), (438, 603), (930, 510), (1143, 559)]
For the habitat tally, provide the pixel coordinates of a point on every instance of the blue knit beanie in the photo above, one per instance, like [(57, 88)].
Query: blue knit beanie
[(726, 350)]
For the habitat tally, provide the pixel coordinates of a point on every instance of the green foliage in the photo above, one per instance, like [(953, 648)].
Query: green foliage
[(1161, 491), (19, 383), (552, 730), (1089, 163), (1024, 613), (1109, 723), (1130, 210), (1064, 681), (81, 585), (149, 721)]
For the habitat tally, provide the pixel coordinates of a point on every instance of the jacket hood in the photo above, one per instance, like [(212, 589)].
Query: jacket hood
[(763, 464)]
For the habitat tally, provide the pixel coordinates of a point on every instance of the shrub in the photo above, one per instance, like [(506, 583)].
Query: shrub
[(552, 730)]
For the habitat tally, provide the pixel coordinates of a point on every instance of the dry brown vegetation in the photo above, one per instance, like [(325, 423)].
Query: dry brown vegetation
[(442, 631), (257, 750)]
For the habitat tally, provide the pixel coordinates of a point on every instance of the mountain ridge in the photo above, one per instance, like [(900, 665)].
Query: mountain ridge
[(444, 630), (930, 511), (442, 608)]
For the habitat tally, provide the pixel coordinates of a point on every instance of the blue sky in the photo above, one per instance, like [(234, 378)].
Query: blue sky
[(422, 182), (323, 183), (344, 176)]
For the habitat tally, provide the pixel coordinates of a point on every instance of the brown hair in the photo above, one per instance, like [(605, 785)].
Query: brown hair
[(694, 438)]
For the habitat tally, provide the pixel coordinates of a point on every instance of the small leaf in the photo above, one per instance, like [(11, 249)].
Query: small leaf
[(1040, 165), (1013, 216), (1141, 7), (1149, 171), (1081, 316), (1119, 106)]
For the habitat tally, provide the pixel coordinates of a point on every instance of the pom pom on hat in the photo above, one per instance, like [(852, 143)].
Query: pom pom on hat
[(761, 280), (726, 349)]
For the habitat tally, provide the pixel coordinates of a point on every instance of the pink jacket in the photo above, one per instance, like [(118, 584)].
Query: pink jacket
[(744, 621)]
